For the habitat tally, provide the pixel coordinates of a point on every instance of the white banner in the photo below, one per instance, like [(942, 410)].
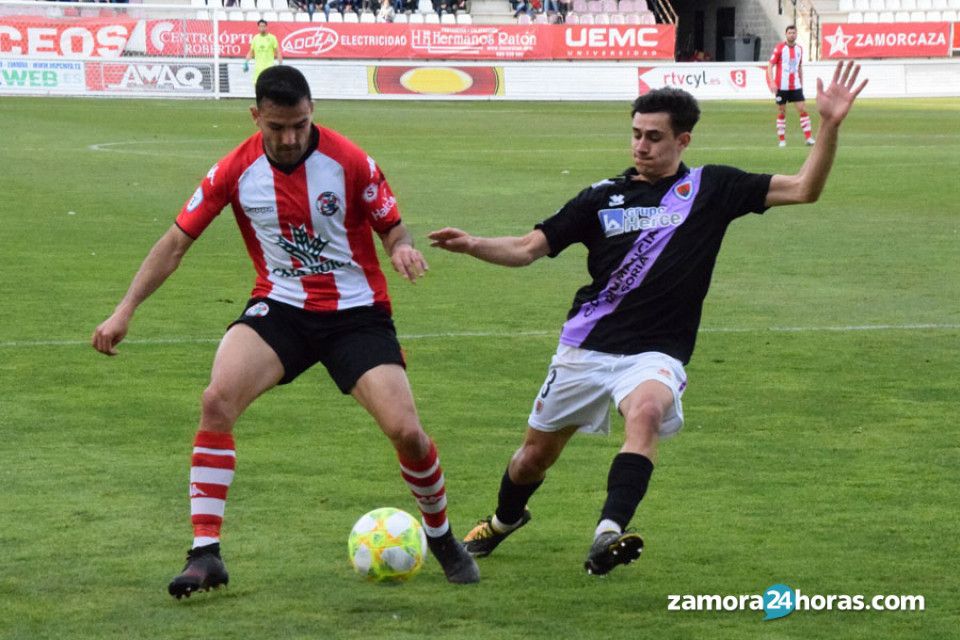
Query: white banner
[(60, 77), (708, 80)]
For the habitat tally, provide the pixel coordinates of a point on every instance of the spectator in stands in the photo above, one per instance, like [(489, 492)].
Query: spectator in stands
[(386, 12), (456, 5), (522, 6), (340, 6), (565, 6), (551, 7)]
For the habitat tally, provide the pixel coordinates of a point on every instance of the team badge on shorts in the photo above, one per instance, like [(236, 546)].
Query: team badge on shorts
[(258, 310), (328, 203)]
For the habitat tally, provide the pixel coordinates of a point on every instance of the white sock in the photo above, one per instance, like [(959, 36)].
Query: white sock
[(606, 525), (501, 527)]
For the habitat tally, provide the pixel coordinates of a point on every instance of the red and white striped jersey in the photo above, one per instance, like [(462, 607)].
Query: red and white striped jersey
[(308, 232), (786, 61)]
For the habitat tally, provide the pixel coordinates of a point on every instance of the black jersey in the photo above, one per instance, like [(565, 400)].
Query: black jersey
[(651, 252)]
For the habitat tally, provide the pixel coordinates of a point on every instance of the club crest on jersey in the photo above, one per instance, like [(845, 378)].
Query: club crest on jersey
[(258, 310), (616, 200), (684, 190), (370, 193), (328, 203)]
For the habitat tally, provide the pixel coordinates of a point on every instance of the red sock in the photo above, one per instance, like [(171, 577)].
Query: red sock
[(425, 479), (781, 127), (211, 472)]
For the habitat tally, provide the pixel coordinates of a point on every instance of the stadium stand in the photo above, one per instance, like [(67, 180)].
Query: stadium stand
[(874, 11), (477, 12)]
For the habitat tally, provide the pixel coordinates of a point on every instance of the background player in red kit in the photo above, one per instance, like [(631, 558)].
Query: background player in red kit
[(305, 199), (785, 78)]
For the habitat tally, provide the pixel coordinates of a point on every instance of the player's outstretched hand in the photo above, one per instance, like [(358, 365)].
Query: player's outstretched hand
[(108, 335), (451, 239), (834, 101), (408, 262)]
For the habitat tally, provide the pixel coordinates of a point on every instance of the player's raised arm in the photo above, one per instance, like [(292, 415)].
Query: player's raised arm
[(833, 103), (508, 251), (163, 260)]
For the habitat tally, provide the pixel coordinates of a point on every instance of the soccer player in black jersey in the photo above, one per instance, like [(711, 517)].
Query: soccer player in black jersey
[(652, 235)]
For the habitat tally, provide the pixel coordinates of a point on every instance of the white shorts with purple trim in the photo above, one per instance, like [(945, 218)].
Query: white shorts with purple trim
[(581, 384)]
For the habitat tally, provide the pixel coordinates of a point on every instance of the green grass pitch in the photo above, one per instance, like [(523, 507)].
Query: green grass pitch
[(820, 448)]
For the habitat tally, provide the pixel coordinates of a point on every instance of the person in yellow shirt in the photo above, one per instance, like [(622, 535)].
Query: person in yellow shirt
[(263, 48)]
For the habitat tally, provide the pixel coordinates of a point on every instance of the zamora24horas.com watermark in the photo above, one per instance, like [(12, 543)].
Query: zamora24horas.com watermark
[(779, 600)]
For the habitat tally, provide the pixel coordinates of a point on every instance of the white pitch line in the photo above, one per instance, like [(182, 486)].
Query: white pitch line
[(18, 344)]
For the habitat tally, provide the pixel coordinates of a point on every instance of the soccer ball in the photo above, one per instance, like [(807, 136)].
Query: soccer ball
[(387, 545)]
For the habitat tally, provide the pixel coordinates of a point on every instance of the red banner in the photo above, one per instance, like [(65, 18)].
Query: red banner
[(886, 40), (83, 38), (110, 37)]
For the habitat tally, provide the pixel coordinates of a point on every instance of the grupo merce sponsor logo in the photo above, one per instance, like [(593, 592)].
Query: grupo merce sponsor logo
[(151, 77)]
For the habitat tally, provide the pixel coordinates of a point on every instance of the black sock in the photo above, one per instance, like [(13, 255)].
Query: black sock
[(512, 499), (626, 484)]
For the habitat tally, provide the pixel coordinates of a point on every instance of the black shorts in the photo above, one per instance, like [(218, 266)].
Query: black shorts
[(348, 343), (792, 95)]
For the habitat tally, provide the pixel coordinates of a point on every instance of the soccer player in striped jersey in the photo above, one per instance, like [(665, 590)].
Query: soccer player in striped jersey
[(785, 78), (652, 236), (307, 201)]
